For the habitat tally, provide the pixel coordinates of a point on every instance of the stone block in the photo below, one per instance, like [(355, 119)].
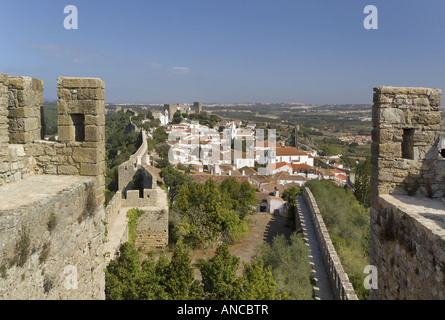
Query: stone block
[(88, 155), (64, 94), (66, 107), (37, 85), (17, 82), (94, 133), (16, 151), (64, 120), (68, 82), (67, 170), (66, 133), (50, 169), (421, 101), (98, 120), (92, 169), (390, 150), (21, 138), (90, 94), (93, 107)]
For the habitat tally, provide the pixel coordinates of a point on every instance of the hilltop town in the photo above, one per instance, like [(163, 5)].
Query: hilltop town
[(237, 149)]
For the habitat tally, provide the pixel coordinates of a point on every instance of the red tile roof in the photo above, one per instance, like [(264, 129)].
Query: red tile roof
[(291, 151)]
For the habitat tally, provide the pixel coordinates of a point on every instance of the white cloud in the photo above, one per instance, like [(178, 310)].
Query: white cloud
[(180, 70)]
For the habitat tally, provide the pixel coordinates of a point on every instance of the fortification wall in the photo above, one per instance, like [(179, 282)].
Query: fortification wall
[(407, 237), (149, 199), (113, 207), (152, 227), (128, 169), (408, 248), (338, 278), (51, 193), (51, 249)]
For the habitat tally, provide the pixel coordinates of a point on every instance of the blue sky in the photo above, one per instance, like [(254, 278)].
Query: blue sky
[(179, 51)]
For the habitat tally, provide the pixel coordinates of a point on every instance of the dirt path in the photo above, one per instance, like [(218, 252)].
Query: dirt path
[(262, 228)]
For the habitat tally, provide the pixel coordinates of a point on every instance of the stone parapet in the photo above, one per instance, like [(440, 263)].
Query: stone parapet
[(52, 240), (341, 286), (408, 248)]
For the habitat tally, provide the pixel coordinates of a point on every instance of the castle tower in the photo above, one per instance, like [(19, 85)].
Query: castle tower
[(197, 107), (171, 108)]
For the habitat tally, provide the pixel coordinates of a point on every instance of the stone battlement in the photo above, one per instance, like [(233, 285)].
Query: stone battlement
[(407, 233), (52, 193), (81, 130)]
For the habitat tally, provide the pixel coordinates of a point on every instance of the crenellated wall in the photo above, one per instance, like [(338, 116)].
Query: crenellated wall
[(407, 235), (51, 193)]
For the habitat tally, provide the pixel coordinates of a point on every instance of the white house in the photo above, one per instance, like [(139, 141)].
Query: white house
[(293, 155), (273, 168)]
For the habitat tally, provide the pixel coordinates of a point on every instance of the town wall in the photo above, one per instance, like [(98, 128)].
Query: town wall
[(341, 286), (407, 238), (128, 169), (52, 193), (52, 247)]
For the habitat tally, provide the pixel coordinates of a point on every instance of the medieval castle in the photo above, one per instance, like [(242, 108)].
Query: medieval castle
[(53, 222)]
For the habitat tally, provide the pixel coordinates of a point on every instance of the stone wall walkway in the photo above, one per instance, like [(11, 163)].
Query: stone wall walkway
[(322, 287), (117, 234)]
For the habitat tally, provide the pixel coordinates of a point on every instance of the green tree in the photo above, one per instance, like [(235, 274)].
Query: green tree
[(290, 266), (362, 183), (330, 150), (159, 135), (150, 115), (174, 179), (162, 149), (122, 275), (177, 117), (241, 196), (220, 281), (206, 214), (219, 278), (178, 276), (127, 278), (258, 282)]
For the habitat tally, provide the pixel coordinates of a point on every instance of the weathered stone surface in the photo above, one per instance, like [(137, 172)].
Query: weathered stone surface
[(407, 232), (62, 239), (67, 82)]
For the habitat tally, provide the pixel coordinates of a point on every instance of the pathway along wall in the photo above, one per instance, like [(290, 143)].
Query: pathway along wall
[(341, 286)]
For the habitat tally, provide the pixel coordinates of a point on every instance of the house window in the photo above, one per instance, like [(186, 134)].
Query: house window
[(79, 126), (408, 144)]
